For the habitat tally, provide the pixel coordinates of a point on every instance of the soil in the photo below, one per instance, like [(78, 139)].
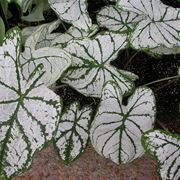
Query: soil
[(90, 166), (48, 166)]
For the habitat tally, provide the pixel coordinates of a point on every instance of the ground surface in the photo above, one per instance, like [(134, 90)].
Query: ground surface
[(90, 166)]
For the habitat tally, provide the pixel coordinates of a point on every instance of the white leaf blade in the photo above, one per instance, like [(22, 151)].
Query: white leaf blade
[(73, 11), (159, 30), (29, 111), (91, 67), (116, 130), (116, 19), (165, 148), (73, 132), (42, 36), (55, 61), (72, 33)]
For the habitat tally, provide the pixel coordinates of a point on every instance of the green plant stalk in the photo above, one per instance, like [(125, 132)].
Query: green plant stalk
[(161, 80), (2, 14)]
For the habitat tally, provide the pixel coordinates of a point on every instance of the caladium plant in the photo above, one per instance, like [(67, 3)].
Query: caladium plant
[(30, 113), (165, 148), (73, 132), (91, 68), (29, 110), (159, 28), (155, 25), (117, 129)]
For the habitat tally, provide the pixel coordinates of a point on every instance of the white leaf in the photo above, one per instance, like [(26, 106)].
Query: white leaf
[(54, 60), (29, 111), (42, 36), (73, 132), (27, 31), (91, 68), (117, 129), (165, 148), (159, 28), (71, 34), (73, 11), (116, 19)]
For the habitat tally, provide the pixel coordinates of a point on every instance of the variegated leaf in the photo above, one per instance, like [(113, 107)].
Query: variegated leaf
[(91, 67), (117, 129), (72, 33), (27, 31), (55, 61), (116, 19), (73, 132), (165, 148), (42, 36), (160, 28), (29, 111), (73, 11)]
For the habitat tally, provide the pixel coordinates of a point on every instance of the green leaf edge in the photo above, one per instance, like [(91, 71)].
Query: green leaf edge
[(152, 154), (131, 94), (79, 108)]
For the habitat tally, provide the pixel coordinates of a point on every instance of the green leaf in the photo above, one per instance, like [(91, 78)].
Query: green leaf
[(117, 129), (73, 11), (55, 61), (2, 31), (73, 132), (159, 30), (116, 19), (91, 68), (29, 111), (36, 14), (165, 148)]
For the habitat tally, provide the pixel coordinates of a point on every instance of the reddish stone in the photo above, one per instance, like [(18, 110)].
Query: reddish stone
[(90, 166)]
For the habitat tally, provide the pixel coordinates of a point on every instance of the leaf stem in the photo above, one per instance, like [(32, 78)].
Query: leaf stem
[(162, 125), (130, 59), (161, 80)]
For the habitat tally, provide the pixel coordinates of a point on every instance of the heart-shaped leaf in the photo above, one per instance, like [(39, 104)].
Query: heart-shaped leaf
[(159, 28), (117, 129), (116, 19), (73, 132), (91, 67), (73, 11), (165, 148), (29, 111), (54, 60)]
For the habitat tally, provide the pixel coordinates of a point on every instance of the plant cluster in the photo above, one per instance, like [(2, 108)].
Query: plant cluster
[(31, 113)]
